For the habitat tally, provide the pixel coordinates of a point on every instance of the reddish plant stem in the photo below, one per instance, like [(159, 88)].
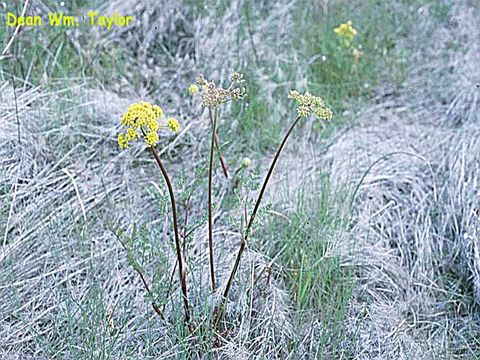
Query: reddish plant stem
[(250, 223), (220, 156), (181, 268), (210, 216)]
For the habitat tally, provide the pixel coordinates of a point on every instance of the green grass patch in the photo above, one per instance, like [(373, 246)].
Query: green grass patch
[(42, 53), (345, 76), (319, 282), (342, 74)]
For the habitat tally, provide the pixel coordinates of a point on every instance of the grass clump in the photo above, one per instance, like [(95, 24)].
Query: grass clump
[(43, 53), (305, 249)]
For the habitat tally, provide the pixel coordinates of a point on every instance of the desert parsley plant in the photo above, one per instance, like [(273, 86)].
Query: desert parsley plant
[(142, 121), (212, 98), (346, 34)]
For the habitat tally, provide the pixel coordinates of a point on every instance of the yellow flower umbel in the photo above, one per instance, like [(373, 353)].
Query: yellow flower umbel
[(193, 89), (308, 103), (158, 111), (173, 125), (151, 138), (142, 122), (346, 31)]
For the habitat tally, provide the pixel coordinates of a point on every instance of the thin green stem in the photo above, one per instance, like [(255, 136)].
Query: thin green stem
[(210, 216), (252, 218), (144, 281), (181, 268)]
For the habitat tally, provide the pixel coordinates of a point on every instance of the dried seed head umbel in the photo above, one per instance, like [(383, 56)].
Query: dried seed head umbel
[(213, 96)]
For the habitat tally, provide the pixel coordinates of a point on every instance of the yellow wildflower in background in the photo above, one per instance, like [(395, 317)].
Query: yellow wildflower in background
[(346, 31), (141, 121), (193, 89), (308, 104)]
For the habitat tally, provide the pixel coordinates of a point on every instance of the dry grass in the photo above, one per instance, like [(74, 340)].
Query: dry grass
[(417, 158)]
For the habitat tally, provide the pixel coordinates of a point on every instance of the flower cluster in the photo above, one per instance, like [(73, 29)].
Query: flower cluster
[(213, 96), (142, 122), (308, 103), (173, 125), (246, 162), (236, 77), (346, 31), (192, 89)]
